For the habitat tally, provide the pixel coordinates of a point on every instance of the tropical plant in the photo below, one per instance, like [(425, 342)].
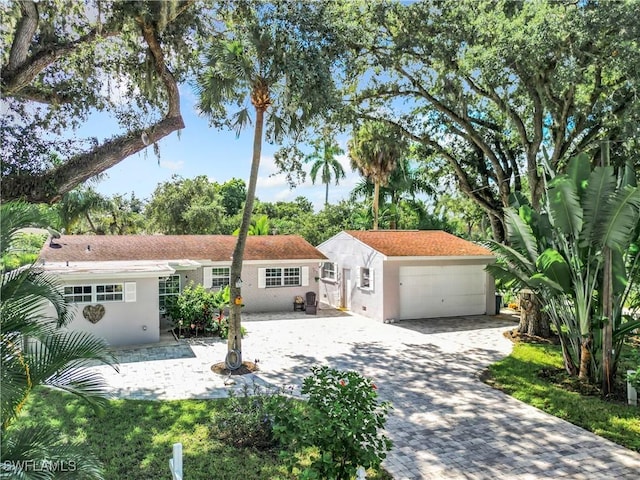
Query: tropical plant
[(37, 353), (375, 150), (559, 254), (325, 151), (79, 204), (260, 225), (274, 62), (404, 184)]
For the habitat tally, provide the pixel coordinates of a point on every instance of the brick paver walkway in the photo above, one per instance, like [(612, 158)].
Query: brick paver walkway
[(446, 424)]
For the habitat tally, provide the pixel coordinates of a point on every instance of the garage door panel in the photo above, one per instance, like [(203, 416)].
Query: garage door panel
[(427, 292)]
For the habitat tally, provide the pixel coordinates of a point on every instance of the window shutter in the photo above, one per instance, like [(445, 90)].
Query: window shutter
[(207, 277), (130, 291), (359, 279), (304, 276), (262, 278), (335, 271), (371, 273)]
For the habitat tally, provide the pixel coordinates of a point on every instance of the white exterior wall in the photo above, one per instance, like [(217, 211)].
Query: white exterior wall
[(352, 254), (273, 299), (123, 322)]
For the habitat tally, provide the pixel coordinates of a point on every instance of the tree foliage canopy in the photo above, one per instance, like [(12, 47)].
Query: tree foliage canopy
[(122, 58), (488, 87)]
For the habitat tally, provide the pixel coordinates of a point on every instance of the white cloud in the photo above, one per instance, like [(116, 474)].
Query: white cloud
[(174, 166)]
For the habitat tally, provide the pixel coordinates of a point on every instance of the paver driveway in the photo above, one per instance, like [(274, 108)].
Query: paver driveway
[(445, 424)]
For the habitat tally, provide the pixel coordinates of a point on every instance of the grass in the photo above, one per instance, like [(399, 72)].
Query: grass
[(519, 375), (134, 438)]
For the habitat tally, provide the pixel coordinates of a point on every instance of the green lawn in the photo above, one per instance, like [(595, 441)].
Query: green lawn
[(134, 438), (519, 376)]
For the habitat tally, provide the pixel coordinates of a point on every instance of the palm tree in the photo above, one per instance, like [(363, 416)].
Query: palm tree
[(325, 151), (375, 150), (77, 204), (271, 62), (404, 183), (36, 353)]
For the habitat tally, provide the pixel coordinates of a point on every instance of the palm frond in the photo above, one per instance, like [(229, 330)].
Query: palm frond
[(552, 264), (512, 258), (578, 170), (520, 235), (620, 215), (565, 211), (601, 184), (15, 216), (39, 453), (61, 361)]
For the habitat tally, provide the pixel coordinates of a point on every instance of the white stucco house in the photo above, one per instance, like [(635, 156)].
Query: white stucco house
[(131, 276), (406, 274)]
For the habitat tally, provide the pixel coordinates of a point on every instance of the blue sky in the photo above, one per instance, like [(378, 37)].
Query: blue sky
[(203, 150)]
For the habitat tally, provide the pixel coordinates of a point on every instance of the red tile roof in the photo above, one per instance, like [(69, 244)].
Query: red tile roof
[(79, 248), (418, 243)]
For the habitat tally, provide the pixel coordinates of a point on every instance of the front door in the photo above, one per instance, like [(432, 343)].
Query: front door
[(345, 300)]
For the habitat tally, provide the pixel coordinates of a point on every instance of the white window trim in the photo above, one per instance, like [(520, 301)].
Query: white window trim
[(333, 279), (303, 275), (371, 279), (128, 292), (208, 276), (167, 295)]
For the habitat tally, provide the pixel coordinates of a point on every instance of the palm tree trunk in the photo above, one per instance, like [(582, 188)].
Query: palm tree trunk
[(234, 342), (376, 193), (585, 358), (326, 195)]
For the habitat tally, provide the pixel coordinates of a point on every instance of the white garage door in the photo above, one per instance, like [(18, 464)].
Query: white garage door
[(427, 292)]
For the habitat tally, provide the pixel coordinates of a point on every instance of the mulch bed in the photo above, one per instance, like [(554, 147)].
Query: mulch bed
[(246, 368)]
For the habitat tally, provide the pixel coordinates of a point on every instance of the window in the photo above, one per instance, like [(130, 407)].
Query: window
[(220, 277), (283, 277), (78, 293), (365, 278), (291, 276), (328, 271), (110, 293), (168, 288), (273, 277)]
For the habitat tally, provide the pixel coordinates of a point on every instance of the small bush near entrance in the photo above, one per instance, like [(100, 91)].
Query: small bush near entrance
[(197, 312)]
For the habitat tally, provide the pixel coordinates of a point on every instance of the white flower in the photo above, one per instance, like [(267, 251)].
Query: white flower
[(361, 473)]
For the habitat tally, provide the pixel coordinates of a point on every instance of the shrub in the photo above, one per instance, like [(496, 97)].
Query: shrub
[(246, 420), (343, 422)]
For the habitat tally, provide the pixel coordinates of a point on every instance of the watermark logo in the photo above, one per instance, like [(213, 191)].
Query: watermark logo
[(39, 466)]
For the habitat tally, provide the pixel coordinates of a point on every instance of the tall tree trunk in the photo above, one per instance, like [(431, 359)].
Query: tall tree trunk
[(585, 358), (376, 203), (326, 195), (234, 342), (532, 320), (393, 224)]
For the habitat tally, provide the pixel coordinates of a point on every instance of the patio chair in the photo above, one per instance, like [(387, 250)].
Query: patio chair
[(312, 304)]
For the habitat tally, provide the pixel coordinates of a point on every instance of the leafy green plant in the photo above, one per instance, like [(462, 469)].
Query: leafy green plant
[(343, 421), (245, 420), (194, 309), (559, 254)]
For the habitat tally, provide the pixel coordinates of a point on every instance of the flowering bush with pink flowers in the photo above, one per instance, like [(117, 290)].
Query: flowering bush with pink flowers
[(343, 421)]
